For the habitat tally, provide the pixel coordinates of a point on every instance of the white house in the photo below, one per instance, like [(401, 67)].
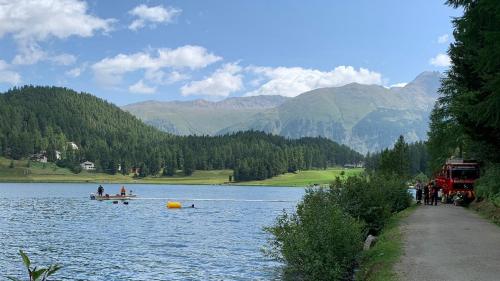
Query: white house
[(87, 165), (58, 155), (39, 157), (72, 145)]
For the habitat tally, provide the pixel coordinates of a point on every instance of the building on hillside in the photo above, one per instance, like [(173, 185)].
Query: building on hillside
[(72, 145), (354, 165), (39, 157), (87, 165)]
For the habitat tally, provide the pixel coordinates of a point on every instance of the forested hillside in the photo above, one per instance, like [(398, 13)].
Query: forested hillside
[(48, 119)]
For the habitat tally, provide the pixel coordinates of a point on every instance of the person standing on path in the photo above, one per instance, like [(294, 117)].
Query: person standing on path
[(434, 194), (418, 194), (426, 194)]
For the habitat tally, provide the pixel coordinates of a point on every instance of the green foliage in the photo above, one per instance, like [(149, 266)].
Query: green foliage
[(319, 242), (47, 118), (466, 119), (11, 165), (35, 273), (371, 199), (423, 178), (403, 160), (322, 240), (377, 263), (488, 186)]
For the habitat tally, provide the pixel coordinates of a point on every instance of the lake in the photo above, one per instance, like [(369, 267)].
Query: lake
[(220, 239)]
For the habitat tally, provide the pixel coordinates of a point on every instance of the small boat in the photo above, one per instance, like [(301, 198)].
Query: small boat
[(112, 197)]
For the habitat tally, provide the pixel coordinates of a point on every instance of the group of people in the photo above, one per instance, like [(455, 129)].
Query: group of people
[(123, 191), (429, 191)]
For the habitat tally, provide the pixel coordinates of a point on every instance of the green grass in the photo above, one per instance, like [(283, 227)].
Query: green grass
[(49, 172), (487, 209), (378, 262), (309, 177)]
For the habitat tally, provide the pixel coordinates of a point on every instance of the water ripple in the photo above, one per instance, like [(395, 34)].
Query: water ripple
[(218, 240)]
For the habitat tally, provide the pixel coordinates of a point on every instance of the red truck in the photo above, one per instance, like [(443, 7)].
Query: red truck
[(456, 179)]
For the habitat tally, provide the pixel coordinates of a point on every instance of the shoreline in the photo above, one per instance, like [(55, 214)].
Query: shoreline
[(145, 182)]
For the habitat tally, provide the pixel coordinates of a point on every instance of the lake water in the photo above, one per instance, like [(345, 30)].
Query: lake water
[(221, 239)]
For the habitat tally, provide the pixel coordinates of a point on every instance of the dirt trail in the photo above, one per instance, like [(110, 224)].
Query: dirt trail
[(449, 243)]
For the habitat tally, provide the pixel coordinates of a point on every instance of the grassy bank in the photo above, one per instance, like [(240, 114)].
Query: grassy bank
[(309, 177), (487, 209), (24, 171), (49, 172), (378, 262)]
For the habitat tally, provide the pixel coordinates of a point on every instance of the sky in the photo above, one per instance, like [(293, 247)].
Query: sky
[(131, 51)]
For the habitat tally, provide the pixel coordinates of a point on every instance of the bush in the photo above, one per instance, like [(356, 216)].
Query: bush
[(322, 240), (319, 242), (371, 199), (488, 186)]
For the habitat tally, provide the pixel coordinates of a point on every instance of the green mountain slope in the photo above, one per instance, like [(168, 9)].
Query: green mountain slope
[(200, 117), (364, 117)]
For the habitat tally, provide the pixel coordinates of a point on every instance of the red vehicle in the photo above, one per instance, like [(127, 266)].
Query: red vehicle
[(456, 180)]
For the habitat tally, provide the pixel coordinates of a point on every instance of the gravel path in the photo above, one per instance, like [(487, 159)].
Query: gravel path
[(449, 243)]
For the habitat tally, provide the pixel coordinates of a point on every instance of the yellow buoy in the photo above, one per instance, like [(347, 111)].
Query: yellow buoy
[(174, 205)]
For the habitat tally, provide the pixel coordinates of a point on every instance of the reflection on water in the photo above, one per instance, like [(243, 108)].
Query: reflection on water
[(218, 240)]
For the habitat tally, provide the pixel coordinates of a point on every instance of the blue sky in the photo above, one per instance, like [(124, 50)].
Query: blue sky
[(129, 51)]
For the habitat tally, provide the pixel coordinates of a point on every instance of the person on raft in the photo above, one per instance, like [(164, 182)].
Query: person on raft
[(100, 190), (123, 191)]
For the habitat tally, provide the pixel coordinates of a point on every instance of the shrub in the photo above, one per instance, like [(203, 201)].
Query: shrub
[(488, 186), (322, 240), (319, 242), (396, 191), (371, 199)]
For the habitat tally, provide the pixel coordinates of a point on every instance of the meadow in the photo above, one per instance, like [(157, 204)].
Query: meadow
[(30, 171)]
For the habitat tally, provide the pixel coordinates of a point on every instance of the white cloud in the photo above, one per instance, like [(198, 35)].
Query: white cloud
[(221, 83), (110, 70), (77, 71), (440, 60), (39, 19), (292, 81), (74, 72), (141, 88), (8, 76), (32, 21), (160, 77), (29, 54), (154, 15), (398, 85), (63, 59), (176, 76), (32, 53), (443, 39)]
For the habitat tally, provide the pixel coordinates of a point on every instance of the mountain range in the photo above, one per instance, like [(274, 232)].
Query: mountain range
[(366, 118)]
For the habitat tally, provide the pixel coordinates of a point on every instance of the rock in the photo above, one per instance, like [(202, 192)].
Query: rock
[(369, 242)]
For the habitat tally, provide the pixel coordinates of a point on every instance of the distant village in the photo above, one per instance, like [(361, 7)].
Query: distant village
[(42, 157)]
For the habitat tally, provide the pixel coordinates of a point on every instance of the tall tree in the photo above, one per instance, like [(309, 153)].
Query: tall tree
[(467, 115)]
